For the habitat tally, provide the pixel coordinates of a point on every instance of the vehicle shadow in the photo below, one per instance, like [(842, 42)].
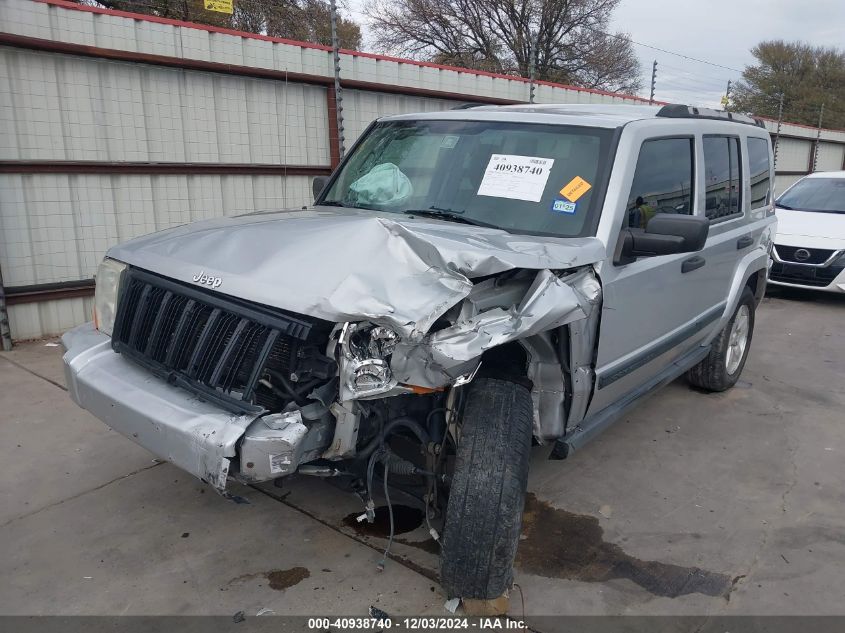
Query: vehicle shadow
[(800, 294)]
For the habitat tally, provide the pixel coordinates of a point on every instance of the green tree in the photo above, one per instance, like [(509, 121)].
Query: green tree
[(805, 75), (303, 20)]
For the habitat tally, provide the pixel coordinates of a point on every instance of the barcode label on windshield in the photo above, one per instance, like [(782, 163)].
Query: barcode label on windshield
[(516, 177)]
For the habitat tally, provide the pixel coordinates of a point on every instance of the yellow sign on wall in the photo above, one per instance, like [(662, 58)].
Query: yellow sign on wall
[(221, 6)]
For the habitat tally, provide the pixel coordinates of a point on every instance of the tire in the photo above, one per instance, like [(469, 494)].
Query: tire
[(723, 365), (487, 495)]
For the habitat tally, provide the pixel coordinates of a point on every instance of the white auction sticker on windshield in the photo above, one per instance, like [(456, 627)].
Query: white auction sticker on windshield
[(516, 177)]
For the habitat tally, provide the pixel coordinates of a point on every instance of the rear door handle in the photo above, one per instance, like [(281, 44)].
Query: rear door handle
[(692, 263), (744, 242)]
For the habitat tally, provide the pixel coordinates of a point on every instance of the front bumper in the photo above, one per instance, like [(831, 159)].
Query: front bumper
[(828, 276), (170, 422)]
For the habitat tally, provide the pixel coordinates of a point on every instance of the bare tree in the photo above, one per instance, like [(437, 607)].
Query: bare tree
[(570, 38)]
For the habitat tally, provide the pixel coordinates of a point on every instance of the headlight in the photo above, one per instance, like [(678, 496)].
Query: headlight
[(107, 281), (366, 358)]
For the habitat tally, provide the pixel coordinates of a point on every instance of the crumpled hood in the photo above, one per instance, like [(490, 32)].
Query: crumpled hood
[(344, 265)]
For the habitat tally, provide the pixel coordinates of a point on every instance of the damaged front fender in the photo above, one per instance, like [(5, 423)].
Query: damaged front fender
[(550, 301)]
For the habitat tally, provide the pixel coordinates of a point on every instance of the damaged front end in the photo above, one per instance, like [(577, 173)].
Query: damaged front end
[(252, 392), (328, 400), (553, 317)]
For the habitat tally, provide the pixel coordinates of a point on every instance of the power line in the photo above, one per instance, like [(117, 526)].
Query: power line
[(690, 82), (696, 75), (662, 50)]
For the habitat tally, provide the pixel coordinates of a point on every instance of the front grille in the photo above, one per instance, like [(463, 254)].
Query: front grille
[(216, 346), (804, 275), (817, 255)]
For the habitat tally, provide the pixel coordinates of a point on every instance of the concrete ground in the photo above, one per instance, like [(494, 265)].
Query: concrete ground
[(695, 504)]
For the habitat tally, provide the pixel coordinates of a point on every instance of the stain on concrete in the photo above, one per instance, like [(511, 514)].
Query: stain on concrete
[(560, 544), (428, 545), (281, 579), (405, 519), (278, 579)]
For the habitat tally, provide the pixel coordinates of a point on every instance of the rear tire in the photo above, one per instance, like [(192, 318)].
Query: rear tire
[(484, 513), (729, 350)]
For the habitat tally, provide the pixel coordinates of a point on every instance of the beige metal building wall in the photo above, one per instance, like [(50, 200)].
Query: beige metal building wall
[(113, 125)]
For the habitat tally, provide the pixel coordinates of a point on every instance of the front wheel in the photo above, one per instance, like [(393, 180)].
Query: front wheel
[(486, 498), (729, 351)]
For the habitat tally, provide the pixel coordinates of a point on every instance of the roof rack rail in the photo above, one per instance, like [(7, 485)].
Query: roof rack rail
[(467, 105), (679, 111)]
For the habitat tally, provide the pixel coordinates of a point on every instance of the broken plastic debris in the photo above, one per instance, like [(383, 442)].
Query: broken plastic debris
[(266, 611), (378, 614), (51, 344), (452, 605), (361, 518)]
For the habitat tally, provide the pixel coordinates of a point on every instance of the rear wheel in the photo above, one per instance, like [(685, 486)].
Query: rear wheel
[(729, 351), (486, 498)]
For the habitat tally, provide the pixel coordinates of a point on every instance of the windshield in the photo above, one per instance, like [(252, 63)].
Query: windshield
[(826, 195), (524, 178)]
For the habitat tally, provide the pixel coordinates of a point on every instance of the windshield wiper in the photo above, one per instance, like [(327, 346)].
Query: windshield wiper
[(784, 206), (449, 215)]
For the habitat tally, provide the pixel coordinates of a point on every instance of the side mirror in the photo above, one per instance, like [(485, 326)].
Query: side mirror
[(692, 228), (317, 185), (665, 234)]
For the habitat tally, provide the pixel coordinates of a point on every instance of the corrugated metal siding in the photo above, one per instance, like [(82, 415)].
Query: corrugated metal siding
[(56, 227), (782, 183), (48, 318), (60, 107), (831, 157), (793, 154), (361, 108), (95, 29)]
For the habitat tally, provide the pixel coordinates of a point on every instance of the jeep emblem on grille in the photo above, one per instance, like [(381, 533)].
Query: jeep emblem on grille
[(208, 280), (802, 255)]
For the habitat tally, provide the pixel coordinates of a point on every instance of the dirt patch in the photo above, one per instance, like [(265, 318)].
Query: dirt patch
[(278, 579), (560, 544), (405, 519), (281, 579)]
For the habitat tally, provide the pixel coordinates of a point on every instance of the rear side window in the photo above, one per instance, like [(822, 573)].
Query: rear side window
[(758, 166), (723, 184), (663, 180)]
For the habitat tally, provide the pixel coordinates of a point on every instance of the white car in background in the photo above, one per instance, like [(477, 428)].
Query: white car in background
[(809, 248)]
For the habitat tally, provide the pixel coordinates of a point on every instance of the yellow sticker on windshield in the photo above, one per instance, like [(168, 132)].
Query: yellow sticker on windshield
[(576, 188)]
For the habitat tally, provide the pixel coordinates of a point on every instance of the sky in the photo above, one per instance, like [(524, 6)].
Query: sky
[(721, 32)]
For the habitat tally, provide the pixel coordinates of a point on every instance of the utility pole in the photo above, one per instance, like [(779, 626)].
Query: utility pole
[(727, 98), (532, 64), (777, 133), (338, 97), (5, 334), (653, 80), (818, 138)]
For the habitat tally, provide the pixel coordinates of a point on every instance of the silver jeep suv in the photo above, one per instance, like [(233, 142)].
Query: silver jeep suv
[(467, 283)]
